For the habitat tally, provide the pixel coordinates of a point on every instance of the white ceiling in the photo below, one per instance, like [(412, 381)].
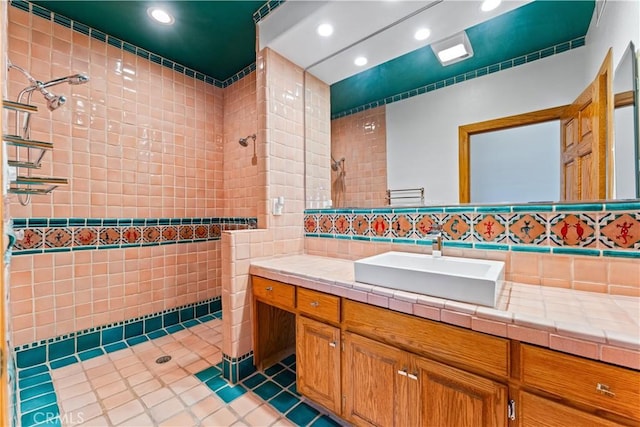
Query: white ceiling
[(291, 30)]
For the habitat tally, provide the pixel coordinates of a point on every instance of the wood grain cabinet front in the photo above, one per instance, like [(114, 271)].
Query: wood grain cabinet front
[(318, 362), (319, 305), (274, 293), (573, 378), (375, 384), (536, 411), (452, 397)]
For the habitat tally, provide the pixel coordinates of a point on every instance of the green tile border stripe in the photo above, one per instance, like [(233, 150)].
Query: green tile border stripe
[(266, 9), (483, 71), (214, 305), (81, 28), (184, 230)]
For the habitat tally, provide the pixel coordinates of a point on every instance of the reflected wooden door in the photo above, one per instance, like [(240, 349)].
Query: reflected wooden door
[(585, 138)]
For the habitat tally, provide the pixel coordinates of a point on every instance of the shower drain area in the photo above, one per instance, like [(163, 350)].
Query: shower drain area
[(163, 359)]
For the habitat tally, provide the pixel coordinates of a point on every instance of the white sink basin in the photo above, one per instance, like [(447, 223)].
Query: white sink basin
[(462, 279)]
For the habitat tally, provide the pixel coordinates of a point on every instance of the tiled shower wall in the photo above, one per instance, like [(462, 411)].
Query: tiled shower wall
[(361, 139), (240, 168), (138, 141), (280, 124)]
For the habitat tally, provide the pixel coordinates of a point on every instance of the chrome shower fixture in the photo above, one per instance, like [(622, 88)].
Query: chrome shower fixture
[(335, 164), (53, 101), (245, 141)]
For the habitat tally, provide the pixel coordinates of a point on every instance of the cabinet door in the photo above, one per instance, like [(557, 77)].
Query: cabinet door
[(535, 411), (318, 362), (375, 383), (451, 397)]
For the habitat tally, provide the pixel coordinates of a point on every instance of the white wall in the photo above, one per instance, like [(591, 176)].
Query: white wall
[(506, 165), (625, 183), (618, 25), (422, 131)]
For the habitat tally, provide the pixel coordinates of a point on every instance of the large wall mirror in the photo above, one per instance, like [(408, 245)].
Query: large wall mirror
[(395, 125)]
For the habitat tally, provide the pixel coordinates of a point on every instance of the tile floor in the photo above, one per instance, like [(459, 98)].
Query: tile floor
[(128, 388)]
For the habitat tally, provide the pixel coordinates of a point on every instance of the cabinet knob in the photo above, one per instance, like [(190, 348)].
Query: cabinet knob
[(269, 288), (332, 344), (403, 372), (604, 389), (413, 376), (315, 304)]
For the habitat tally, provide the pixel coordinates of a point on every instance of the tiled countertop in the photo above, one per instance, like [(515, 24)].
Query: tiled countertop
[(593, 325)]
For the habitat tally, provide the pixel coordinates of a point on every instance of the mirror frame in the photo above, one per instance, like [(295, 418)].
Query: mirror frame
[(466, 131)]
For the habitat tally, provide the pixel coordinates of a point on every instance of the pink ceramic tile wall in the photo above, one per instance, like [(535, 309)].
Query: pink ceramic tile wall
[(281, 172), (54, 294), (317, 141), (361, 139), (240, 164), (138, 141)]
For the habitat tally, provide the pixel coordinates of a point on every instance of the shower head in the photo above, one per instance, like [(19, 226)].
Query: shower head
[(245, 141), (75, 79), (53, 101), (335, 164)]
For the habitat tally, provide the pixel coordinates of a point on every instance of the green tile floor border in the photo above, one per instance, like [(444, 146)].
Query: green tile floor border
[(36, 397), (276, 386), (66, 349)]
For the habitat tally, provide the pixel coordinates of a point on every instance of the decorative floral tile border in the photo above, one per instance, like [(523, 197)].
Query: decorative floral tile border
[(41, 235), (594, 229)]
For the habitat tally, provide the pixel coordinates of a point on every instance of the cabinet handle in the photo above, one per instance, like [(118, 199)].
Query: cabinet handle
[(413, 376), (604, 389), (315, 304), (269, 288), (403, 372), (332, 344)]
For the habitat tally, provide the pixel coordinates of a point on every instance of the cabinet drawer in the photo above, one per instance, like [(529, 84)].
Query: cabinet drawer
[(475, 351), (274, 293), (319, 304), (604, 386)]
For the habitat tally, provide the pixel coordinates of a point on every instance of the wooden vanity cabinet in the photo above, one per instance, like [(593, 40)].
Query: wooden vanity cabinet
[(318, 362), (536, 411), (375, 384), (452, 397), (377, 367)]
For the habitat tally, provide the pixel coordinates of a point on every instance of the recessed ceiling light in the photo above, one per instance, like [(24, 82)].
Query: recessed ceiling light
[(488, 5), (422, 34), (160, 15), (360, 61), (325, 30)]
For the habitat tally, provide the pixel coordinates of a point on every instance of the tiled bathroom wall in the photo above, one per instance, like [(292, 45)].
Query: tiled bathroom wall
[(360, 139), (317, 145), (280, 118), (142, 146), (241, 194)]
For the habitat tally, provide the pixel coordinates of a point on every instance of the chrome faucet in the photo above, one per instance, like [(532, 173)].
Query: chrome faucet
[(436, 245)]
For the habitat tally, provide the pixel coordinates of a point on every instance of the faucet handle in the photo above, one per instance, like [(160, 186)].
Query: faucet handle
[(436, 227)]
